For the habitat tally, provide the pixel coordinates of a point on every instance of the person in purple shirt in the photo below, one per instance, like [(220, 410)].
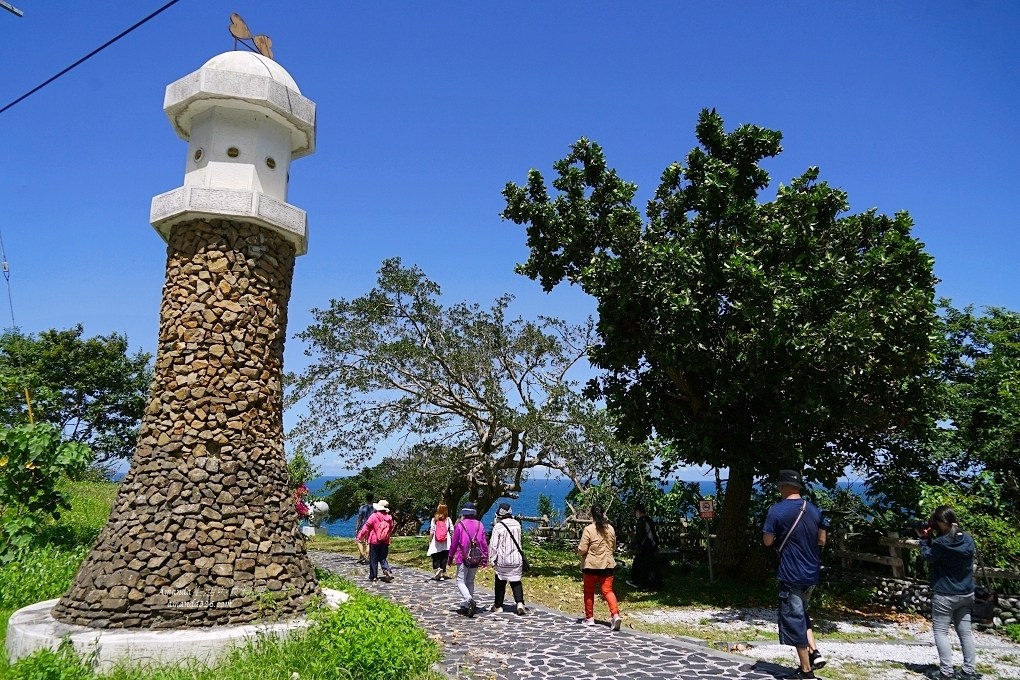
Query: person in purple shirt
[(794, 527), (466, 529)]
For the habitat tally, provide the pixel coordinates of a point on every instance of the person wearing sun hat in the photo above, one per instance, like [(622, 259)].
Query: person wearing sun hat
[(507, 558), (795, 527), (468, 528), (377, 531)]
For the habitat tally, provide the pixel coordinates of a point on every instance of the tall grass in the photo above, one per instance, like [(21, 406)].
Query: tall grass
[(367, 638)]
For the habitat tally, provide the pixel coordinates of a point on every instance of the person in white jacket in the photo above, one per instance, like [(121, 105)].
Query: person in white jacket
[(507, 558), (440, 530)]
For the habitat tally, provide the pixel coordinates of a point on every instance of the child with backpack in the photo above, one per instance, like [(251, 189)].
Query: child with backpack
[(468, 550), (439, 548), (376, 531)]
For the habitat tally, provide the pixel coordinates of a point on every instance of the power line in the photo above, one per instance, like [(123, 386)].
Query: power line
[(7, 277), (90, 54)]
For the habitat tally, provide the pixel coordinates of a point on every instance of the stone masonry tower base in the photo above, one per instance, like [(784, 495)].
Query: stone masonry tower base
[(203, 531)]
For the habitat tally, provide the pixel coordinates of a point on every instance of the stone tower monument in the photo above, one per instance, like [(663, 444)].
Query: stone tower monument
[(204, 530)]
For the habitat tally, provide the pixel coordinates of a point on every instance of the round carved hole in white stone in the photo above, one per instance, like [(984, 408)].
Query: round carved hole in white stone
[(233, 152), (271, 162)]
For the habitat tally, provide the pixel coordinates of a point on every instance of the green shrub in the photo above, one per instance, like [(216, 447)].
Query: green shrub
[(1012, 631), (33, 459)]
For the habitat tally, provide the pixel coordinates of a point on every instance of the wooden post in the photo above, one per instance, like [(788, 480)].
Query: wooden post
[(894, 552)]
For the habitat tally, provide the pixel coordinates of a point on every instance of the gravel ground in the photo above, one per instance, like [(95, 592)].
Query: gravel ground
[(882, 650)]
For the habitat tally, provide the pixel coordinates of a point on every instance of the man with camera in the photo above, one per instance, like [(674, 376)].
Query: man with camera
[(794, 528)]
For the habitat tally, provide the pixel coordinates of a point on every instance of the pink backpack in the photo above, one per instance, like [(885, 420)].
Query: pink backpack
[(383, 528), (442, 531)]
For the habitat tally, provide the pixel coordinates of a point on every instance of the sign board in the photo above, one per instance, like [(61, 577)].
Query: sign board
[(706, 509)]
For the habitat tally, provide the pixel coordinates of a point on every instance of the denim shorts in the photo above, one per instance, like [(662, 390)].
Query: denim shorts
[(793, 617)]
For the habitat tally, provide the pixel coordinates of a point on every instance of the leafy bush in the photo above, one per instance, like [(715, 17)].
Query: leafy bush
[(33, 460)]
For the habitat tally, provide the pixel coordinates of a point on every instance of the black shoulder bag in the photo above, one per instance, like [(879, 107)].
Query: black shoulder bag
[(777, 553), (985, 599), (525, 567)]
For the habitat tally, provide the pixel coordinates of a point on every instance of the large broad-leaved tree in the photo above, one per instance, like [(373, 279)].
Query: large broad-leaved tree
[(93, 390), (753, 334), (493, 397)]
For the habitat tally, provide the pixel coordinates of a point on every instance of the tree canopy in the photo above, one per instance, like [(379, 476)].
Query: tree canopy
[(492, 396), (752, 334), (91, 389)]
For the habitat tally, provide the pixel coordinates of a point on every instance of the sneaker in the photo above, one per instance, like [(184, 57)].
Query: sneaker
[(616, 622), (631, 584), (520, 609), (588, 622), (439, 575), (445, 577), (964, 675), (799, 674), (817, 660), (496, 608), (387, 575), (937, 674), (471, 609)]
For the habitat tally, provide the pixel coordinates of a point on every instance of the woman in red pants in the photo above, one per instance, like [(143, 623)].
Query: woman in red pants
[(598, 543)]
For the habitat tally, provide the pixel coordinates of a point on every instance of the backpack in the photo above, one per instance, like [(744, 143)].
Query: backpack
[(442, 531), (383, 529), (473, 558)]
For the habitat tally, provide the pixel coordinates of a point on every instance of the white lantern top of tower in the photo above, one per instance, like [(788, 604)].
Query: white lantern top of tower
[(243, 80)]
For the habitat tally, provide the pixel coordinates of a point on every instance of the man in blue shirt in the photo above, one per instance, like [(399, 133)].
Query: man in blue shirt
[(364, 512), (794, 527)]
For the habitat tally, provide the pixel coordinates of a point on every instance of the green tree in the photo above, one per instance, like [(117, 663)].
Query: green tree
[(91, 389), (980, 369), (973, 439), (466, 382), (752, 335), (414, 483)]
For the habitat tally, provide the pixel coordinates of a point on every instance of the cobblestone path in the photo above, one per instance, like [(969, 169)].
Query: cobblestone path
[(543, 645)]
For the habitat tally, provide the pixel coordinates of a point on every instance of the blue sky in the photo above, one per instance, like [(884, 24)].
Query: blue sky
[(425, 111)]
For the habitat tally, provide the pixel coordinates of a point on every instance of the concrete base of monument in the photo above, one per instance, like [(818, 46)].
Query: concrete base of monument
[(33, 628)]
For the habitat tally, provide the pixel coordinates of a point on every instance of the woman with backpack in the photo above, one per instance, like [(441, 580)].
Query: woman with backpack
[(598, 543), (507, 558), (468, 550), (377, 531), (439, 547)]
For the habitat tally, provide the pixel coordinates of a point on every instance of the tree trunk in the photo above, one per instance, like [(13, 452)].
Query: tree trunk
[(731, 549)]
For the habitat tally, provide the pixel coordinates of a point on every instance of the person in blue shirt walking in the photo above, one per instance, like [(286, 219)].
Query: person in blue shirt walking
[(794, 527), (951, 551)]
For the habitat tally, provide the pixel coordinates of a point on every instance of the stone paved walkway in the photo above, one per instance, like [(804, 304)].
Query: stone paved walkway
[(543, 645)]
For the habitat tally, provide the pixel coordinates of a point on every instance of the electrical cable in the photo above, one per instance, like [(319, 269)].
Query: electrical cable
[(14, 325), (90, 55)]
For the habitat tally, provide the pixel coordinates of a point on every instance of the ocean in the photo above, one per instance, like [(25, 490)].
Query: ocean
[(526, 504)]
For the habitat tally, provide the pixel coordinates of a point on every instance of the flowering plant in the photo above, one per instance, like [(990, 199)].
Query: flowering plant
[(303, 510)]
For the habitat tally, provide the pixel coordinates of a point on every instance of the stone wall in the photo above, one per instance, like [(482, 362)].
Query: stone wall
[(203, 530), (903, 595)]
